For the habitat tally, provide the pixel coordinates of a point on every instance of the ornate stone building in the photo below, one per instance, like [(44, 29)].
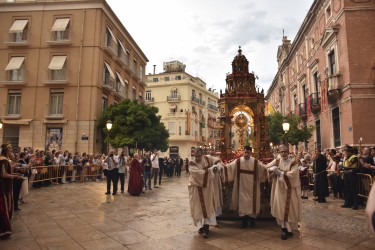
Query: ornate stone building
[(188, 109), (327, 75), (63, 63)]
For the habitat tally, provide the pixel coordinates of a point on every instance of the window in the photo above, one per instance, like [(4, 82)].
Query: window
[(332, 63), (173, 109), (60, 29), (177, 78), (104, 102), (336, 127), (110, 41), (167, 79), (118, 82), (174, 94), (155, 79), (140, 72), (193, 93), (56, 101), (134, 94), (148, 95), (57, 68), (126, 88), (16, 68), (134, 65), (18, 31), (108, 75), (172, 128), (14, 102), (316, 82)]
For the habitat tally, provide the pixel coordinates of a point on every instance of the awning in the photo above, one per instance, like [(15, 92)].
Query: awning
[(15, 63), (109, 70), (57, 62), (122, 46), (18, 26), (17, 122), (119, 77), (112, 35), (173, 107), (60, 24)]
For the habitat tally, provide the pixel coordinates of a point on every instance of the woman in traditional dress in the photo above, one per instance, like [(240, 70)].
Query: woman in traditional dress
[(6, 192), (135, 186)]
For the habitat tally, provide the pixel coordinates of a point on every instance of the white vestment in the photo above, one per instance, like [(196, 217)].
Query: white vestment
[(285, 194), (202, 187), (247, 176)]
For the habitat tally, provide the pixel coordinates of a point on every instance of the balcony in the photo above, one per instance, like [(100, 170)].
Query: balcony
[(213, 107), (56, 77), (301, 111), (13, 78), (12, 111), (109, 83), (59, 37), (123, 58), (16, 39), (111, 47), (174, 98), (119, 90), (197, 100), (315, 103), (334, 88)]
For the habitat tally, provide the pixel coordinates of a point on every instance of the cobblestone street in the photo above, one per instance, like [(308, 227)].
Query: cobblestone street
[(81, 216)]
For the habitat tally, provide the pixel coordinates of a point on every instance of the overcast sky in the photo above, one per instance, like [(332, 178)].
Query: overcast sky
[(205, 34)]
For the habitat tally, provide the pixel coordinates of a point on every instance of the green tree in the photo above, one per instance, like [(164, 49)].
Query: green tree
[(134, 125), (297, 133), (276, 132)]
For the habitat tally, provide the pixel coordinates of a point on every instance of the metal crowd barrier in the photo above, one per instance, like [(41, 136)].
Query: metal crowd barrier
[(67, 172), (365, 182)]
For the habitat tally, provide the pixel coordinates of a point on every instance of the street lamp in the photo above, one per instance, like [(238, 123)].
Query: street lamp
[(109, 126), (286, 126)]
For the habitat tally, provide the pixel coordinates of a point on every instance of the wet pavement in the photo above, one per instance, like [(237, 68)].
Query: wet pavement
[(81, 216)]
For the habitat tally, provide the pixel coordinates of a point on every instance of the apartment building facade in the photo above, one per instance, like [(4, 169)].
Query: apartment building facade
[(327, 75), (63, 63), (187, 108)]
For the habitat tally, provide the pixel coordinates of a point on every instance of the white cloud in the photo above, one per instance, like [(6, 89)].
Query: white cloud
[(205, 34)]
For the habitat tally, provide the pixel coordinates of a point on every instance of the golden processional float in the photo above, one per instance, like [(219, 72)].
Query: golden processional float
[(243, 122)]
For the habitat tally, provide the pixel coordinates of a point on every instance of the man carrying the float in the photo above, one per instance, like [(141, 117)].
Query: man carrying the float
[(286, 192), (247, 174), (204, 190)]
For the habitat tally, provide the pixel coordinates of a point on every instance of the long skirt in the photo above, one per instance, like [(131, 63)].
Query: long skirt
[(6, 213), (135, 186)]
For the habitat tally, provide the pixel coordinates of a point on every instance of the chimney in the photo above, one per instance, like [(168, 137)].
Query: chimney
[(154, 68)]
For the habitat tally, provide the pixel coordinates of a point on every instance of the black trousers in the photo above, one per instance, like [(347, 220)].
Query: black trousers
[(17, 184), (122, 181), (111, 176), (351, 189)]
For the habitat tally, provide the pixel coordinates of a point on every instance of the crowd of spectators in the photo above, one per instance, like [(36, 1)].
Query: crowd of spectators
[(335, 171)]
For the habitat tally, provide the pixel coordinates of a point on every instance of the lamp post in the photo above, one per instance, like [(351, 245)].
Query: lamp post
[(286, 126), (109, 126)]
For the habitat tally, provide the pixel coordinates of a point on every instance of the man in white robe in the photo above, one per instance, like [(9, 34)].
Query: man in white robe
[(286, 192), (247, 174), (202, 187)]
